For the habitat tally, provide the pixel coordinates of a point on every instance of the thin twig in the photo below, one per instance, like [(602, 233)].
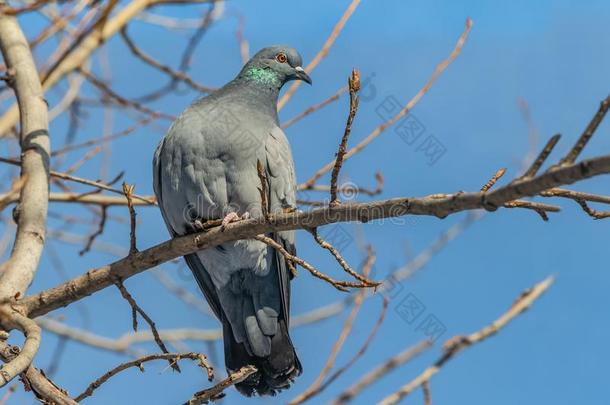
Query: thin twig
[(314, 388), (362, 350), (493, 180), (354, 86), (136, 309), (173, 358), (458, 343), (68, 177), (128, 191), (380, 371), (588, 133), (339, 285), (98, 232), (216, 392), (544, 154), (342, 262)]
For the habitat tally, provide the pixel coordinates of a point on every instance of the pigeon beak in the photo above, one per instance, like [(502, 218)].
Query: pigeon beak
[(302, 75)]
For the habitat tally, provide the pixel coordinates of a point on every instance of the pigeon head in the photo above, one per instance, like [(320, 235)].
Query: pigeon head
[(274, 66)]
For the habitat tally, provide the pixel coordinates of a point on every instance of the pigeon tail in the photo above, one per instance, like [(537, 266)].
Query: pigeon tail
[(276, 371)]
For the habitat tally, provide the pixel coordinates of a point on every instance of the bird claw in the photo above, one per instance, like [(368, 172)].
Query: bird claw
[(232, 217)]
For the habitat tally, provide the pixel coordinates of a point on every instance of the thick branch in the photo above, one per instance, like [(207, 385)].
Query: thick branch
[(434, 205), (18, 272)]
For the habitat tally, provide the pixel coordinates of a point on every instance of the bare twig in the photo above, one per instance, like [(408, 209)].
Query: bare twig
[(362, 350), (339, 285), (98, 232), (128, 191), (587, 134), (427, 394), (314, 388), (216, 392), (458, 343), (97, 184), (149, 60), (342, 262), (544, 154), (581, 198), (173, 358), (135, 309), (354, 86), (84, 198), (379, 372), (493, 180)]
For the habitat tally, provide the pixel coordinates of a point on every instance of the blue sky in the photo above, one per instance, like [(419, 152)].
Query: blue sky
[(553, 54)]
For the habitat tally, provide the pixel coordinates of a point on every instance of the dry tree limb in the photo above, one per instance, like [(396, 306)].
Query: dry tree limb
[(136, 309), (75, 179), (323, 52), (342, 262), (18, 271), (43, 388), (440, 68), (10, 320), (173, 358), (379, 372), (314, 388), (216, 392), (458, 343), (314, 108), (339, 285), (124, 344), (83, 198), (354, 87), (435, 205), (128, 191)]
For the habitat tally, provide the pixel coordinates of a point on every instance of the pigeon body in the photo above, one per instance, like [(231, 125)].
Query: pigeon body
[(206, 168)]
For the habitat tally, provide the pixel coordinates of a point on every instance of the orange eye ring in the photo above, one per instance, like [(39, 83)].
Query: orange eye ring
[(281, 57)]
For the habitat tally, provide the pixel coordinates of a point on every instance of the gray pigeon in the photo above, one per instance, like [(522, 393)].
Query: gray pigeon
[(206, 168)]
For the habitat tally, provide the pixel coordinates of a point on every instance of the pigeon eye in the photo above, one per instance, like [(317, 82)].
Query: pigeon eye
[(281, 57)]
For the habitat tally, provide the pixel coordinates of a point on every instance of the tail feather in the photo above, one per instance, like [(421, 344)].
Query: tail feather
[(275, 372)]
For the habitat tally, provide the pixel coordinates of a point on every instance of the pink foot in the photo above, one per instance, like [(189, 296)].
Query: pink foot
[(230, 217)]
